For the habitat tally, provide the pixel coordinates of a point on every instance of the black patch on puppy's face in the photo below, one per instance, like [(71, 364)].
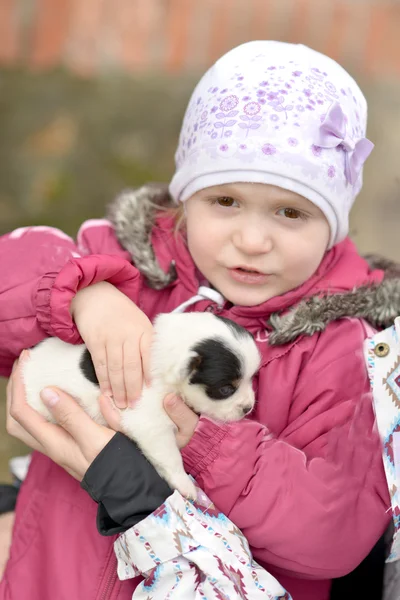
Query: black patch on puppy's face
[(237, 330), (87, 367), (215, 367)]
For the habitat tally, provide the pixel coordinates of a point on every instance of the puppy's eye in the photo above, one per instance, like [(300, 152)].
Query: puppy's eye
[(226, 390)]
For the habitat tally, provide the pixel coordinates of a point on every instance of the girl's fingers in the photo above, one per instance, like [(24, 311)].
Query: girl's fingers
[(110, 412), (99, 358), (115, 366), (132, 371)]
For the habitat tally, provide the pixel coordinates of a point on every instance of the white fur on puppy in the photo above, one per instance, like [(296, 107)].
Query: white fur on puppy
[(206, 360)]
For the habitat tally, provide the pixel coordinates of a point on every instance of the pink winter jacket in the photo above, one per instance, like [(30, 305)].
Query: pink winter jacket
[(302, 477)]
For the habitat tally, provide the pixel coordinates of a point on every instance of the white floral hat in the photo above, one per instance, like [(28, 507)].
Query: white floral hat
[(276, 113)]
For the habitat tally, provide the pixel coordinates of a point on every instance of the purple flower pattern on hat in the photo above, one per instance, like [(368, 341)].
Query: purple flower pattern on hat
[(268, 149), (226, 105), (271, 126)]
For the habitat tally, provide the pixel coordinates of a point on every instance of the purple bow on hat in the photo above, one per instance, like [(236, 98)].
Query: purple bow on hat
[(332, 133)]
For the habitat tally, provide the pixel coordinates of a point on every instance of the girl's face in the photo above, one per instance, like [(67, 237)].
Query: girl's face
[(254, 241)]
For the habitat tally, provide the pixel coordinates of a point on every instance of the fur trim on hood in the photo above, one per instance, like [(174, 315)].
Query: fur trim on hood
[(379, 305), (133, 213)]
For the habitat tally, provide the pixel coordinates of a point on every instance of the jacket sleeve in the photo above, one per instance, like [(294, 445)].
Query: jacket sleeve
[(187, 550), (312, 501), (125, 485), (42, 269)]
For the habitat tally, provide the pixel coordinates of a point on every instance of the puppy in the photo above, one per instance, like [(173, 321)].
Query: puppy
[(208, 360)]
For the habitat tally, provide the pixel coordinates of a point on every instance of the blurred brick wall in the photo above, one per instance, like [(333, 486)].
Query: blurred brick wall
[(92, 36)]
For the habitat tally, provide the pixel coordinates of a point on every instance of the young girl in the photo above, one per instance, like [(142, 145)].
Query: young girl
[(268, 165)]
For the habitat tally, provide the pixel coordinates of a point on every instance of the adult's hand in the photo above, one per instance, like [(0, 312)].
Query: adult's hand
[(6, 525), (75, 441), (184, 418)]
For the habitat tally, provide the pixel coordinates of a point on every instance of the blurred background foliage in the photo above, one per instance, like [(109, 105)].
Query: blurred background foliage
[(69, 144)]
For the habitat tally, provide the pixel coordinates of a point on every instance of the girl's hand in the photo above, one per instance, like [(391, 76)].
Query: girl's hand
[(118, 336), (75, 442)]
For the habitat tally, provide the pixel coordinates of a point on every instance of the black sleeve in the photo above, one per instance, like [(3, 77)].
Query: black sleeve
[(125, 485)]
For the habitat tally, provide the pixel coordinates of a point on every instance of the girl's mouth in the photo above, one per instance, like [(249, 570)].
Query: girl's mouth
[(247, 275), (248, 270)]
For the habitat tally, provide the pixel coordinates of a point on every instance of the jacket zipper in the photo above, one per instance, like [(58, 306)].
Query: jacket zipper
[(110, 576)]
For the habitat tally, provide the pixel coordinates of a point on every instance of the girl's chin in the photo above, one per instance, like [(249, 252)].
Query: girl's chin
[(246, 297)]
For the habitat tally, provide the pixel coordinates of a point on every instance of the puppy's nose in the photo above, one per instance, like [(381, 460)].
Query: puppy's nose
[(246, 410)]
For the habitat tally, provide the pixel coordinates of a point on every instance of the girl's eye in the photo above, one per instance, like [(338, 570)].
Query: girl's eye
[(291, 213), (225, 201)]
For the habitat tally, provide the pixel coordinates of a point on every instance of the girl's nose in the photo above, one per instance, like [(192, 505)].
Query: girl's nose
[(253, 238)]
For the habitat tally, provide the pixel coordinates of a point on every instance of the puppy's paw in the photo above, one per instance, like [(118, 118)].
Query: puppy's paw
[(185, 486)]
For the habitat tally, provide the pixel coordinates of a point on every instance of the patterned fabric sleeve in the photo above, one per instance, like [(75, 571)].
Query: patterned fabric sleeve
[(382, 353), (189, 550)]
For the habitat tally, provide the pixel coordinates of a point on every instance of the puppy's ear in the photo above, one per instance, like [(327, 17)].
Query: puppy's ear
[(183, 368), (194, 363)]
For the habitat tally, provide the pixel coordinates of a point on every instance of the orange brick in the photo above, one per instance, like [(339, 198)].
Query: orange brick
[(238, 24), (394, 38), (337, 31), (179, 15), (50, 30), (86, 35), (299, 18), (382, 48), (259, 12), (196, 60), (134, 24), (8, 32), (353, 48), (220, 29), (179, 35)]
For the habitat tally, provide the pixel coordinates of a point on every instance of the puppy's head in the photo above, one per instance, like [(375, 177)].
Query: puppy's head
[(219, 371)]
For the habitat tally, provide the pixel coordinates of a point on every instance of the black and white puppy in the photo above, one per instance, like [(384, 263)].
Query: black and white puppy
[(207, 360)]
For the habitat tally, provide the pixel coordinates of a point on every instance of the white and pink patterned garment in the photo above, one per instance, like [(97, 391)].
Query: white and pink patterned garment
[(189, 550), (382, 352)]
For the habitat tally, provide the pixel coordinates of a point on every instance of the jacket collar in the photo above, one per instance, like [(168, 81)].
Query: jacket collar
[(345, 284)]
